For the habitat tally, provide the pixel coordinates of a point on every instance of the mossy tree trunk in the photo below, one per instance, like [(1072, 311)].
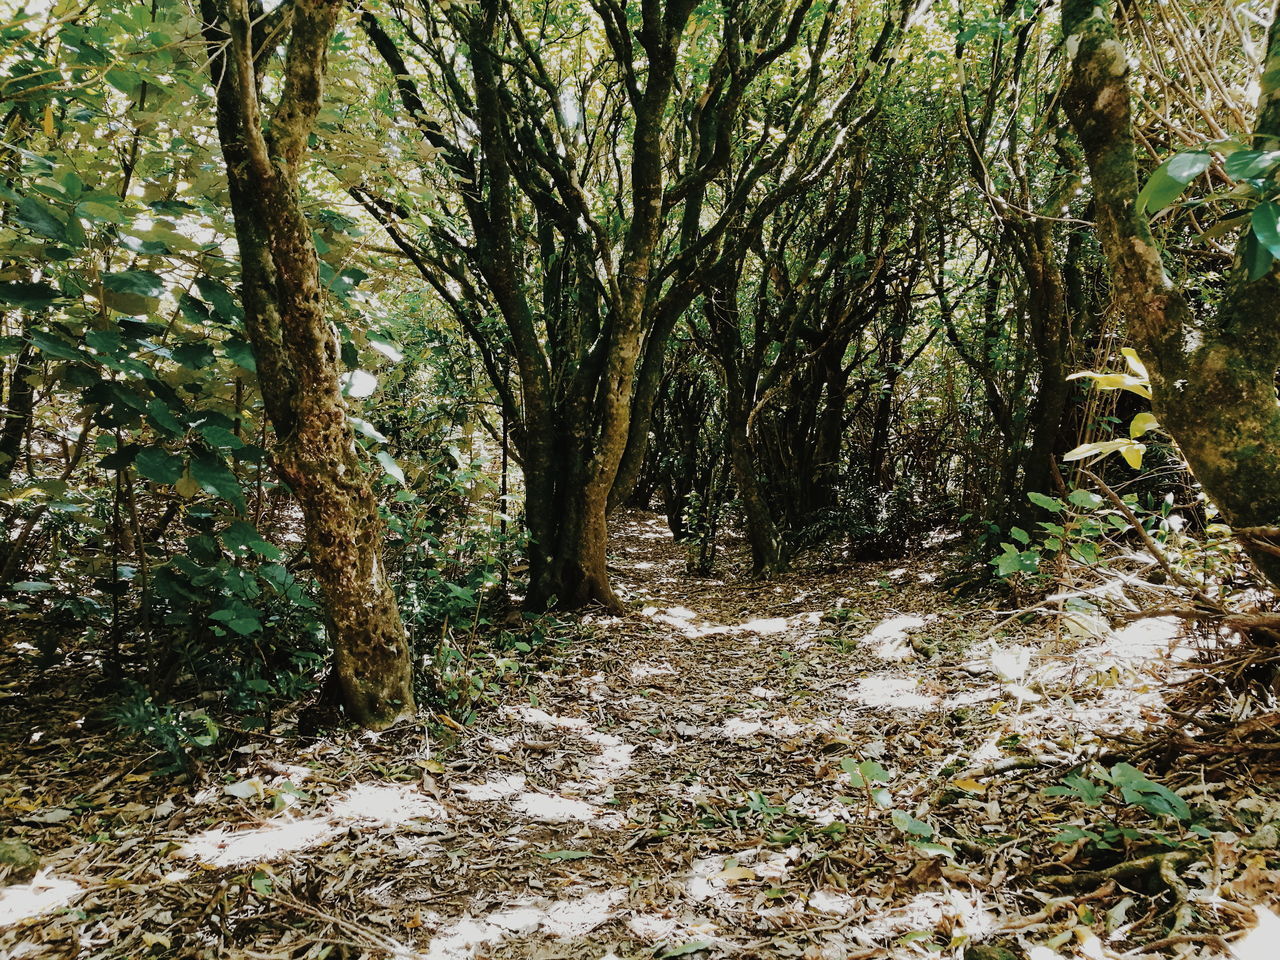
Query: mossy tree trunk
[(295, 346), (1213, 377)]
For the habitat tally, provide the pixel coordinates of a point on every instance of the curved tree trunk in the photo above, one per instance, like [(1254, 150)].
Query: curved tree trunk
[(1213, 381), (296, 350)]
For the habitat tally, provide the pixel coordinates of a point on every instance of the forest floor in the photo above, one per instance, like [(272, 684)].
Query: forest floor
[(683, 781)]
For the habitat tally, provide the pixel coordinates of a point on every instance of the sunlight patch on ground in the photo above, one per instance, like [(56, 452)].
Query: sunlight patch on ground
[(23, 901), (387, 804), (493, 789), (642, 670), (554, 808), (765, 626), (572, 916), (685, 620), (541, 718), (1146, 638), (900, 693), (891, 638), (1260, 942), (225, 847)]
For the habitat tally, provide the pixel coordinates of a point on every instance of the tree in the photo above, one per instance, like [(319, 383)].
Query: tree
[(1213, 371), (295, 345), (582, 149)]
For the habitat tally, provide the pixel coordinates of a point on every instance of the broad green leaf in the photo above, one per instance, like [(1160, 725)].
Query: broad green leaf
[(142, 283), (684, 949), (28, 296), (240, 353), (54, 346), (214, 477), (1266, 225), (159, 465), (1171, 178), (391, 467), (1052, 504), (1085, 499), (216, 294), (934, 849), (909, 824), (39, 217), (1256, 255), (1247, 164), (567, 855)]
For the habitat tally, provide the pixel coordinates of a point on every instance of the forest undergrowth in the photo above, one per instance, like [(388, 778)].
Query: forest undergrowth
[(848, 761)]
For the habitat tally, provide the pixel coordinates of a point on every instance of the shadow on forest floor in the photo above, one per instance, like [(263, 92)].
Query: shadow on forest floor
[(679, 786)]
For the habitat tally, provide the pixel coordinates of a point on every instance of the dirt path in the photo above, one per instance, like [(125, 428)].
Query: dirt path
[(679, 784)]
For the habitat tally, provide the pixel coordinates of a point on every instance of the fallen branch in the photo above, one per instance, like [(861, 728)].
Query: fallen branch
[(1142, 866), (1152, 547)]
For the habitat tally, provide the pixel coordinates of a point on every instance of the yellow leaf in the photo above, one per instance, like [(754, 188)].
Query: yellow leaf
[(1133, 454), (1137, 366), (973, 786), (48, 119), (735, 874), (1141, 424), (187, 486)]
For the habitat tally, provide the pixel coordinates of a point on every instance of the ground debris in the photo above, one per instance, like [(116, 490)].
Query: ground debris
[(843, 762)]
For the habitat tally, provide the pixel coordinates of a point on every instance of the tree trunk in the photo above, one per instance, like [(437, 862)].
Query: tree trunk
[(1213, 382), (18, 408), (296, 350), (767, 555), (567, 553)]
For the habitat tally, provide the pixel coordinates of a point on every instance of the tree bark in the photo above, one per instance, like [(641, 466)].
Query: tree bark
[(18, 407), (1213, 380), (297, 352)]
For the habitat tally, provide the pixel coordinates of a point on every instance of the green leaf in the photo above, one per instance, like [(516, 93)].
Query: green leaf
[(141, 283), (391, 467), (1247, 164), (220, 298), (1085, 499), (162, 416), (240, 353), (1257, 258), (863, 772), (684, 949), (934, 849), (213, 477), (159, 465), (1052, 504), (1170, 178), (1151, 796), (31, 586), (909, 824), (1020, 535), (1266, 225), (39, 218), (28, 296), (244, 535), (53, 346)]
